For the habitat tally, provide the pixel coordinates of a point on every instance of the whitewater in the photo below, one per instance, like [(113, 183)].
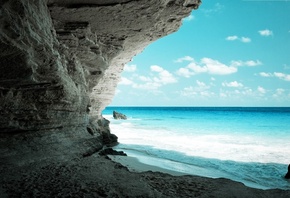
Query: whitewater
[(245, 144)]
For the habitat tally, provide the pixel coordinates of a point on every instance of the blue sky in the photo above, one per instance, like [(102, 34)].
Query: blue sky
[(227, 53)]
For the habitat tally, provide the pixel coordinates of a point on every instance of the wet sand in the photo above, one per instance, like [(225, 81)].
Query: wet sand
[(134, 165)]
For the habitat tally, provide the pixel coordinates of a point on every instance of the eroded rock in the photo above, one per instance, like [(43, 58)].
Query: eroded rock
[(61, 60), (119, 116)]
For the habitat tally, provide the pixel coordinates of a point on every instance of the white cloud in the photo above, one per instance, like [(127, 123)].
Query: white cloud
[(185, 58), (130, 68), (200, 90), (125, 81), (265, 32), (232, 84), (250, 63), (237, 63), (247, 91), (282, 76), (216, 67), (196, 68), (206, 93), (237, 91), (279, 93), (147, 86), (184, 72), (189, 18), (264, 74), (164, 76), (159, 78), (188, 92), (261, 90), (201, 85), (145, 79), (156, 68), (232, 38), (211, 66), (242, 39), (245, 39), (279, 75), (206, 65)]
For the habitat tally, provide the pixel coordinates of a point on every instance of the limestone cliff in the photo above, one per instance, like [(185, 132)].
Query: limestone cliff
[(61, 60)]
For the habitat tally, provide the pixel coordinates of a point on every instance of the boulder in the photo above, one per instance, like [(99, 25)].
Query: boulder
[(110, 151), (119, 116)]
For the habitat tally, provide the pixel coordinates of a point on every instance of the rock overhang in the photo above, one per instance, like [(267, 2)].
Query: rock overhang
[(61, 60)]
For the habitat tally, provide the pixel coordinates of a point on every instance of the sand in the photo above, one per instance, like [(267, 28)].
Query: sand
[(114, 176), (134, 165), (173, 183)]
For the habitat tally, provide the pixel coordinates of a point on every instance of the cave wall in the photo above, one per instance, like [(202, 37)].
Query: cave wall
[(42, 84), (61, 60)]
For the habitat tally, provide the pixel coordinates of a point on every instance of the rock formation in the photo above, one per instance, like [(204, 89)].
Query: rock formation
[(119, 116), (60, 61)]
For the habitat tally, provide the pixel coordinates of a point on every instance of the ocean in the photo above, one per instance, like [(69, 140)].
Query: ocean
[(246, 144)]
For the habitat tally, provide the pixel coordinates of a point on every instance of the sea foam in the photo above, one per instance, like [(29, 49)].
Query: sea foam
[(243, 146)]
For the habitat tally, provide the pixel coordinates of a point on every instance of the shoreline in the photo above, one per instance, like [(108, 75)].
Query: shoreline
[(141, 164), (134, 165)]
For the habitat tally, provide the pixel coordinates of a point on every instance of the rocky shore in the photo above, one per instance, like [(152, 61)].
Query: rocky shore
[(54, 166)]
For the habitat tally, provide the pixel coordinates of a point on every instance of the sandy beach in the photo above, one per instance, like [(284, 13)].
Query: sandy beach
[(186, 185), (114, 176), (134, 165), (141, 163)]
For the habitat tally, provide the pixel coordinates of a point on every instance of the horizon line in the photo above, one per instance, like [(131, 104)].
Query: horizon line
[(205, 106)]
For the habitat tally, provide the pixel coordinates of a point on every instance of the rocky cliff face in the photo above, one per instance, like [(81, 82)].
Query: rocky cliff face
[(61, 60)]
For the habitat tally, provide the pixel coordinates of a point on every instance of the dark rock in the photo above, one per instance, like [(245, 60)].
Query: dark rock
[(119, 116), (192, 3), (110, 139), (110, 151), (287, 176)]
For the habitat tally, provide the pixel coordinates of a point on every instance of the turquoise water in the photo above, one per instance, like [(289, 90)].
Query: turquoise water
[(250, 145)]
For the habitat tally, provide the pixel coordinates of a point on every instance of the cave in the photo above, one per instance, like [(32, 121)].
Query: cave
[(60, 63)]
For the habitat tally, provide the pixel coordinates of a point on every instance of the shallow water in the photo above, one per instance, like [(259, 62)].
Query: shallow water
[(250, 145)]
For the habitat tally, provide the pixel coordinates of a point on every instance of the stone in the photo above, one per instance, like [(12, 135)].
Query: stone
[(287, 176), (110, 151), (192, 3), (119, 116)]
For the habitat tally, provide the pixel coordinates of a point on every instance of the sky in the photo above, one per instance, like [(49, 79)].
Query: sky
[(226, 53)]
